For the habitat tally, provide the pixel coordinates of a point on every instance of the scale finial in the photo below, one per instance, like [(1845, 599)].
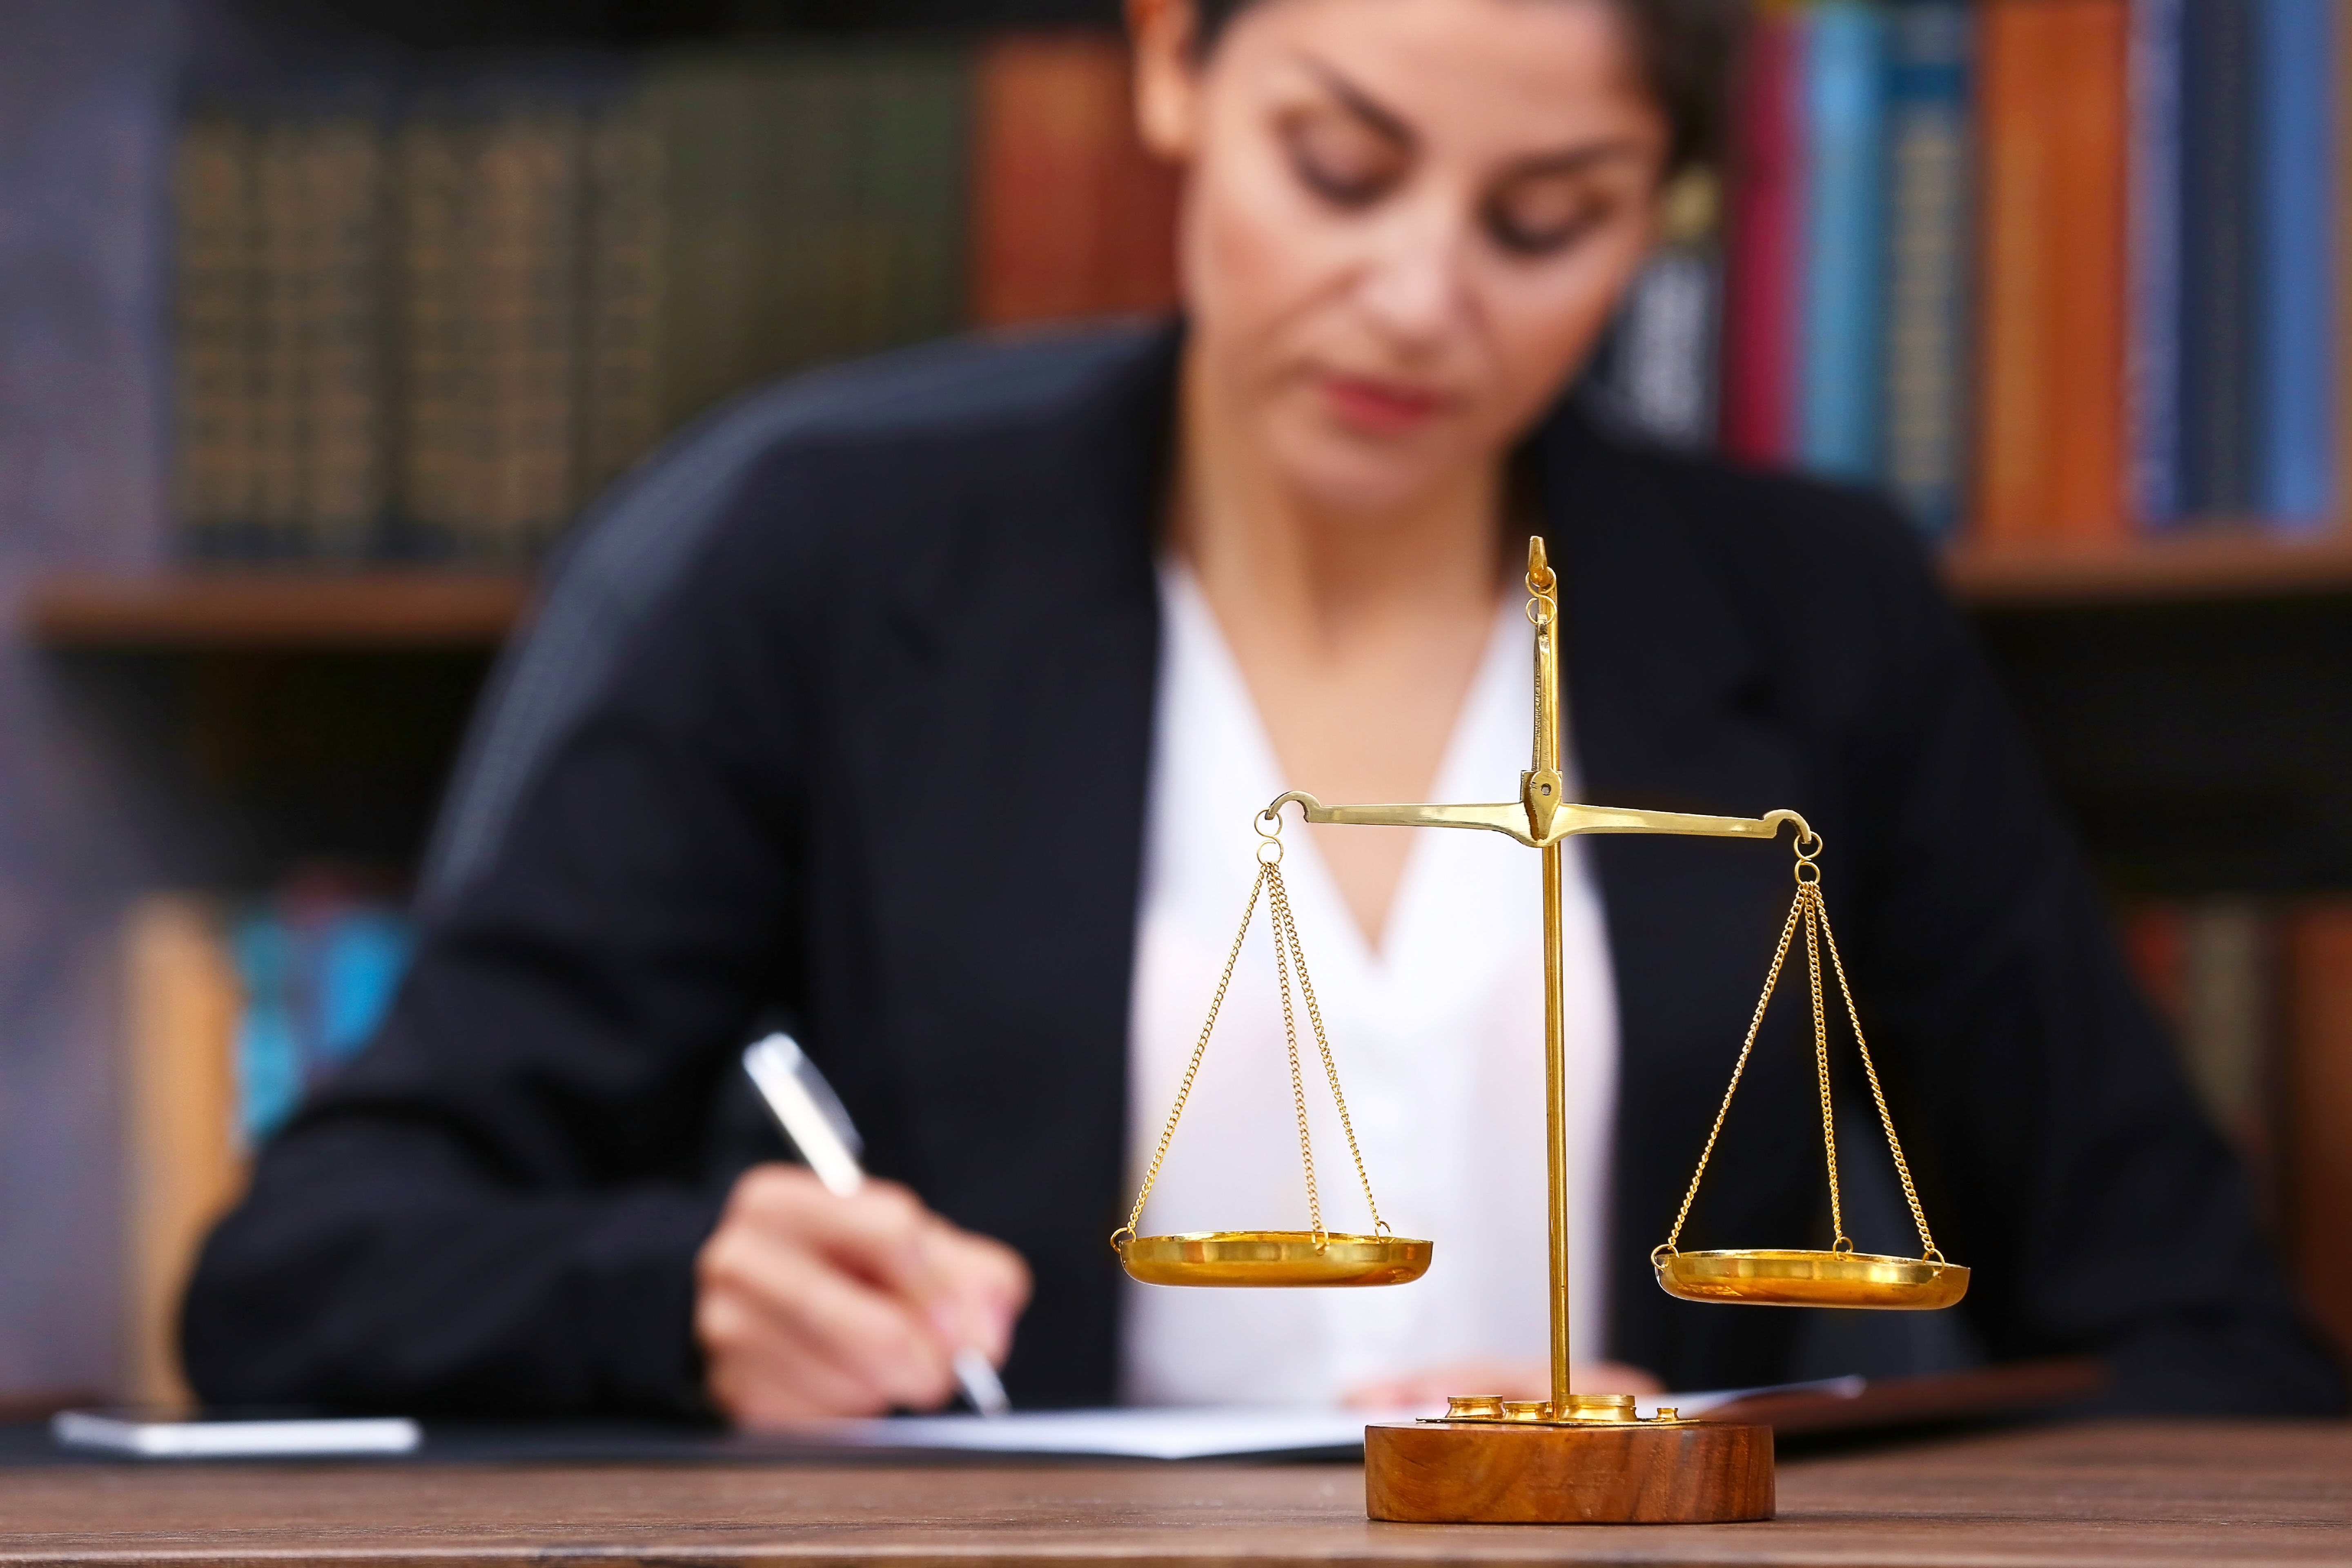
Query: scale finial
[(1540, 577)]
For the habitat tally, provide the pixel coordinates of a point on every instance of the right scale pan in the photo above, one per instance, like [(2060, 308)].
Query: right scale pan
[(1811, 1279)]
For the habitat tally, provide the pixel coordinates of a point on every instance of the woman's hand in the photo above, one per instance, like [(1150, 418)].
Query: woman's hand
[(1431, 1386), (811, 1304)]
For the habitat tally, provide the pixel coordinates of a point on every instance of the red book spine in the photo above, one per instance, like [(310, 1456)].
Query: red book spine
[(1765, 265), (1070, 215)]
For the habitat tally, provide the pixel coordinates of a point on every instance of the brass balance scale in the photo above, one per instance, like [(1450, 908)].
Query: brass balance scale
[(1573, 1457)]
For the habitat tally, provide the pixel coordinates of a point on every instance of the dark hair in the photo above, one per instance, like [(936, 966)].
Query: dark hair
[(1686, 50)]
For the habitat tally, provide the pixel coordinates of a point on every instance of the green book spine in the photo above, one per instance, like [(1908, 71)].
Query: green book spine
[(621, 415), (342, 381), (214, 219), (433, 459)]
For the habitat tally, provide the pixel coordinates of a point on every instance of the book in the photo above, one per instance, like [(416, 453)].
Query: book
[(185, 1157), (2340, 237), (2158, 236), (621, 357), (429, 486), (1930, 46), (281, 262), (1070, 215), (2230, 1024), (2293, 474), (2220, 266), (1657, 368), (315, 369), (214, 231), (345, 387), (1841, 397), (520, 271), (814, 208), (1764, 247), (2317, 1132), (2213, 967), (2051, 395), (316, 965)]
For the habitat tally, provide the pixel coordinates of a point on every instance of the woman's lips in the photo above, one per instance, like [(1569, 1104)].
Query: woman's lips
[(1382, 407)]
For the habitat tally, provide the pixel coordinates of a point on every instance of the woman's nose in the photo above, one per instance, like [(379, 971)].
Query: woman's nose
[(1414, 289)]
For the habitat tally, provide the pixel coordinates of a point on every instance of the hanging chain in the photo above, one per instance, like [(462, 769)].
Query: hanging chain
[(1878, 1094), (1277, 901), (1279, 906), (1810, 906), (1809, 897), (1283, 927)]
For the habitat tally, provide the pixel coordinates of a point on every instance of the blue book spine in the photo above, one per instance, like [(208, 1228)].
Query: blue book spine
[(269, 1049), (2154, 368), (2218, 260), (1930, 50), (2294, 327), (1841, 363)]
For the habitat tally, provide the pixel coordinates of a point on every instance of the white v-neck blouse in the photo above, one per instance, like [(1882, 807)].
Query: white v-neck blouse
[(1438, 1035)]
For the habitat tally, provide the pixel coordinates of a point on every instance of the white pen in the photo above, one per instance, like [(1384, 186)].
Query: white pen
[(812, 1116)]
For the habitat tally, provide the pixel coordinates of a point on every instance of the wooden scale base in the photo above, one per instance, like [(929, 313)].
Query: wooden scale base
[(1610, 1470)]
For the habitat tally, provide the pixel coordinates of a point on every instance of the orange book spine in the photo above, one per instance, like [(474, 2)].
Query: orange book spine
[(2318, 1110), (2087, 112), (2052, 113), (2012, 490)]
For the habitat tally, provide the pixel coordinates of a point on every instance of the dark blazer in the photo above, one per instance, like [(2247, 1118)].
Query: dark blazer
[(876, 762)]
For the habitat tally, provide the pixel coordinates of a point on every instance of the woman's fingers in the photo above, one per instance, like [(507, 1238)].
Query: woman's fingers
[(883, 1340), (879, 1231), (811, 1303), (980, 1286)]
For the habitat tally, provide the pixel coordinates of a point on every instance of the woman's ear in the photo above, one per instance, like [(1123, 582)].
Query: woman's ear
[(1167, 80)]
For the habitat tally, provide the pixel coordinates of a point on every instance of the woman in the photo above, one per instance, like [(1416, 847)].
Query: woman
[(945, 746)]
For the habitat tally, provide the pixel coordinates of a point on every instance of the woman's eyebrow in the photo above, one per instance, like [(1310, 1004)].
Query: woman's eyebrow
[(1569, 160), (1359, 103)]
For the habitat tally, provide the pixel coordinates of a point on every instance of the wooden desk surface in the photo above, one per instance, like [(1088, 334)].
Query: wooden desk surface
[(2145, 1493)]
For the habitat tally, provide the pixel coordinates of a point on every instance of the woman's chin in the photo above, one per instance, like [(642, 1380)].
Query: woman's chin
[(1371, 479)]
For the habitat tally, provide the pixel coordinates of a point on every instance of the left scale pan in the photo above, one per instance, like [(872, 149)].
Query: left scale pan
[(1274, 1258)]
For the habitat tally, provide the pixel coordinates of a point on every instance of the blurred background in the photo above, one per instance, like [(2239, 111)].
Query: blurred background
[(320, 320)]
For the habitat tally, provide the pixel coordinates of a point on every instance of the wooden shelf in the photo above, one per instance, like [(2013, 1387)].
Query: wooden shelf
[(382, 610), (2185, 569), (284, 609)]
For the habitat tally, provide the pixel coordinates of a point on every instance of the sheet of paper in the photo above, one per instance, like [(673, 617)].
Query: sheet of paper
[(171, 1439), (1192, 1434), (1187, 1434)]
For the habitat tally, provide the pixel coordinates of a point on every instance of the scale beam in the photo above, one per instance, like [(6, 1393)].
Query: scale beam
[(1514, 819)]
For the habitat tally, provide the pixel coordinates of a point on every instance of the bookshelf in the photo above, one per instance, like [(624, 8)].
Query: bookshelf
[(2189, 568), (384, 611)]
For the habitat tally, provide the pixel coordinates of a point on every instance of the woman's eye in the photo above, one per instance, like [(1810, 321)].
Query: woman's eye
[(1544, 216), (1347, 164)]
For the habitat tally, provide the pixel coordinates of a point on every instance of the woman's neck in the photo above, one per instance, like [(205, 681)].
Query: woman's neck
[(1359, 633)]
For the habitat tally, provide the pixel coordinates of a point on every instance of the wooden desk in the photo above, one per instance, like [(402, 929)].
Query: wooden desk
[(2113, 1494)]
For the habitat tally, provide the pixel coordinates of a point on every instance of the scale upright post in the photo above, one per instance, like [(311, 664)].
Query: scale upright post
[(1542, 784)]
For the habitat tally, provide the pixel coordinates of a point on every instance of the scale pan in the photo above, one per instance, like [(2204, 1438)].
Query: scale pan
[(1793, 1278), (1274, 1258)]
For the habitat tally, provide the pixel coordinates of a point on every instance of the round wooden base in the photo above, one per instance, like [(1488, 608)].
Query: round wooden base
[(1449, 1472)]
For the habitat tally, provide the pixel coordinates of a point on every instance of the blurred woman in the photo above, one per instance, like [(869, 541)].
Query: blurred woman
[(946, 747)]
